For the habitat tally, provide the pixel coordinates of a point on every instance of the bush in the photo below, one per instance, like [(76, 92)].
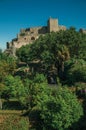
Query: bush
[(59, 110), (75, 71)]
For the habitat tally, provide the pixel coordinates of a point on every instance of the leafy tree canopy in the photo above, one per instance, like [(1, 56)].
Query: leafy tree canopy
[(59, 109)]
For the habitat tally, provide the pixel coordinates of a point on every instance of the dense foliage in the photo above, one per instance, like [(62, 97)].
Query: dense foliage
[(50, 52), (59, 109), (37, 77)]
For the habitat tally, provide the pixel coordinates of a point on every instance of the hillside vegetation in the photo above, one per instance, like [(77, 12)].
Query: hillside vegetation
[(47, 81)]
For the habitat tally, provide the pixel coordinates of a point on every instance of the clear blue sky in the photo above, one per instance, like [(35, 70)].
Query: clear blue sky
[(16, 14)]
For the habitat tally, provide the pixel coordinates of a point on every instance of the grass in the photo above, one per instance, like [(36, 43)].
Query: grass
[(11, 116), (5, 113), (13, 122)]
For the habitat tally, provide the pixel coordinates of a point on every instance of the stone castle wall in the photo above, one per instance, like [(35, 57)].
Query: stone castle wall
[(28, 35)]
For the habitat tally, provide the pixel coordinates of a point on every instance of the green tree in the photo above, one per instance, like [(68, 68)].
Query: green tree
[(33, 87), (22, 53), (75, 71), (14, 88), (7, 66), (59, 109), (62, 56), (48, 53), (75, 41), (4, 69)]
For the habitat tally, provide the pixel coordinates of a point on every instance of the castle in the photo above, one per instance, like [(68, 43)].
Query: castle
[(28, 35)]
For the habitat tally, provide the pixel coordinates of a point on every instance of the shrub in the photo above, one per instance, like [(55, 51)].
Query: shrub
[(59, 110), (75, 71)]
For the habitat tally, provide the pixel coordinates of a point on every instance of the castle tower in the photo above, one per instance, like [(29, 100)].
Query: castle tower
[(52, 25)]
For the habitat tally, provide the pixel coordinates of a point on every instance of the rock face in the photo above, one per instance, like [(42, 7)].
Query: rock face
[(28, 35)]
